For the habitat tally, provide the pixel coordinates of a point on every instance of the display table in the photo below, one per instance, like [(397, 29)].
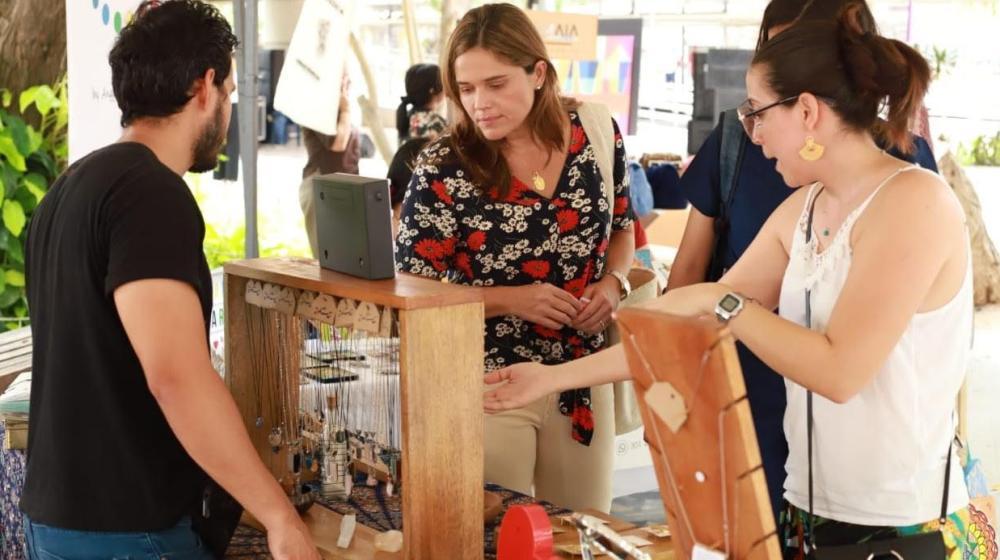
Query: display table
[(372, 508), (375, 511)]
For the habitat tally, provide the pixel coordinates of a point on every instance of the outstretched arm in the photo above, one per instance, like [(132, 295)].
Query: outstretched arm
[(527, 382)]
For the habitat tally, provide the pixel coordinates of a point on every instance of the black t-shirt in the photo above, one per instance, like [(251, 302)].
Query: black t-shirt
[(101, 456)]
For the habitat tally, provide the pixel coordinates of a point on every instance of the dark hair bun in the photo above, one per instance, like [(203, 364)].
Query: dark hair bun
[(845, 60)]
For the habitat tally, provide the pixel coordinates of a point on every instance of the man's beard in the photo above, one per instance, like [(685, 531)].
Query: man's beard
[(210, 143)]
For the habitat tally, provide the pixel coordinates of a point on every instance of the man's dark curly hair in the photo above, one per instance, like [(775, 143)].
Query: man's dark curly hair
[(162, 51)]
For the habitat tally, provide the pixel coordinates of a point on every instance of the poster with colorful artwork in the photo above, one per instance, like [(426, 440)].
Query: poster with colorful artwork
[(612, 78), (91, 29)]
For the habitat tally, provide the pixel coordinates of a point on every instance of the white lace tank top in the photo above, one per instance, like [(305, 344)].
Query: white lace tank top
[(878, 459)]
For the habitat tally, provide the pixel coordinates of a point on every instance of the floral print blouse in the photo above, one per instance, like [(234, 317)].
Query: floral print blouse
[(426, 124), (450, 228)]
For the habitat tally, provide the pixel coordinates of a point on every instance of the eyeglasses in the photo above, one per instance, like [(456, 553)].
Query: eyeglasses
[(750, 117)]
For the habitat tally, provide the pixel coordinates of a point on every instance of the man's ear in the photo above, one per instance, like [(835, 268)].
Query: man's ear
[(203, 90)]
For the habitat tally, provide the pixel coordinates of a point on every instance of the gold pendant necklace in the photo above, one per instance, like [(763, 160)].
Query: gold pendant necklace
[(538, 181)]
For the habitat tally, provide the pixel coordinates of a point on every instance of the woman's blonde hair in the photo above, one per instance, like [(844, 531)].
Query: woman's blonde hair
[(506, 32)]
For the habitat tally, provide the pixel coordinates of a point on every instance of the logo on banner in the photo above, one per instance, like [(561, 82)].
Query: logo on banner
[(566, 36), (561, 33)]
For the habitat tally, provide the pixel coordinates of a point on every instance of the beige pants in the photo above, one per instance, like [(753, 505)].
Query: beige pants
[(532, 448), (309, 213)]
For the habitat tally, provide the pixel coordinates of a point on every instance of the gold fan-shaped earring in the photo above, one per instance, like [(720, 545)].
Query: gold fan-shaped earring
[(811, 151)]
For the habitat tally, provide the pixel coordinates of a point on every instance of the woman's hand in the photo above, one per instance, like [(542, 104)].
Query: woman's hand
[(523, 384), (601, 299), (693, 300), (545, 304)]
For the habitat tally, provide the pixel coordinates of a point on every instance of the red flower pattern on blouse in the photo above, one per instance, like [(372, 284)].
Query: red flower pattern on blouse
[(537, 269), (583, 423), (568, 219), (546, 332), (519, 193), (603, 247), (441, 191), (463, 264), (430, 249), (621, 205), (577, 139), (576, 286), (448, 246), (476, 240)]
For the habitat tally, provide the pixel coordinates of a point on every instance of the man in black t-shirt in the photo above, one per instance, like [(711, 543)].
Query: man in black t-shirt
[(128, 419)]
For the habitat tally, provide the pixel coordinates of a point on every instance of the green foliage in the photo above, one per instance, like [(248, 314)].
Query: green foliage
[(984, 150), (224, 244), (30, 160), (221, 246), (942, 61)]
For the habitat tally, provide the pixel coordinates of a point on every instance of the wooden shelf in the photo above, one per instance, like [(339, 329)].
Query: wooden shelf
[(405, 291)]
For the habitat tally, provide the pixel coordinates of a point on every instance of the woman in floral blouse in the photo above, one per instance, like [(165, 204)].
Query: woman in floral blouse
[(417, 116), (513, 200)]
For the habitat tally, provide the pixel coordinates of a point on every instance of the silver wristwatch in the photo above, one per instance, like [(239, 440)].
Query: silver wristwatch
[(623, 280), (729, 306)]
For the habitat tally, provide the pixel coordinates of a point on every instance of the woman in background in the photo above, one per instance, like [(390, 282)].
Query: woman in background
[(417, 115)]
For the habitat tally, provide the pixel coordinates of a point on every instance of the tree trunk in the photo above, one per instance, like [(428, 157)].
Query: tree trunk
[(447, 24), (410, 26), (32, 43), (985, 261), (369, 103)]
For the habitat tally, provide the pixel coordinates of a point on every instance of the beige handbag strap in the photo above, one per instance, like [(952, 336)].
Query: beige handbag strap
[(596, 121)]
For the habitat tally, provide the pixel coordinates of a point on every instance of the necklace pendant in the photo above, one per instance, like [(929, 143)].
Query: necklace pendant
[(826, 232), (537, 181), (274, 438)]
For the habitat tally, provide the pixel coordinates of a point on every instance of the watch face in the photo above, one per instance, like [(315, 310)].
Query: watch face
[(729, 303)]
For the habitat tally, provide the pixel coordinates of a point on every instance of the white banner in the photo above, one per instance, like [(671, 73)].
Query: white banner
[(308, 89), (91, 29)]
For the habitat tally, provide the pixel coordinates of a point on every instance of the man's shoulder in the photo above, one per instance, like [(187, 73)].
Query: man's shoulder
[(128, 176), (122, 161)]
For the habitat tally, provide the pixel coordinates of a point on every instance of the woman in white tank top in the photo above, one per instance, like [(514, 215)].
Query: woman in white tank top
[(887, 265)]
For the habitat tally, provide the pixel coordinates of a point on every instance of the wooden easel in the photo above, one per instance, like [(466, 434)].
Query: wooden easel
[(700, 433), (441, 368)]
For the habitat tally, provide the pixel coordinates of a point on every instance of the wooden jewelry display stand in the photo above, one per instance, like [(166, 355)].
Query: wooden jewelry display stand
[(701, 435), (440, 362)]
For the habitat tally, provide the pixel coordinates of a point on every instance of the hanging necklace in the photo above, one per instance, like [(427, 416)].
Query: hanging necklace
[(538, 181)]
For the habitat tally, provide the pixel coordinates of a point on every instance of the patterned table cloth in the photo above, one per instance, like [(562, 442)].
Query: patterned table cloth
[(372, 507), (376, 510), (11, 481)]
